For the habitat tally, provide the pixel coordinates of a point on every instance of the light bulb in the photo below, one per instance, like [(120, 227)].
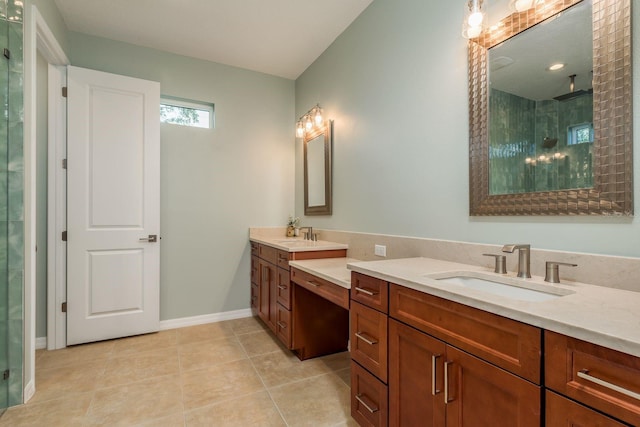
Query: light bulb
[(299, 130), (473, 32), (522, 5), (308, 124), (475, 19), (317, 118)]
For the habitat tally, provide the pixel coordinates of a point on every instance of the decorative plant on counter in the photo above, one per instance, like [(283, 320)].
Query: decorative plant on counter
[(292, 225)]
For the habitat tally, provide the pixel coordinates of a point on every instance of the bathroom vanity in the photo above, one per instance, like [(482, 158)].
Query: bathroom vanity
[(295, 305), (425, 352)]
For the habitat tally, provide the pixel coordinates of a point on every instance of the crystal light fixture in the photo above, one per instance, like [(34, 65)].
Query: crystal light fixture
[(475, 19), (313, 119)]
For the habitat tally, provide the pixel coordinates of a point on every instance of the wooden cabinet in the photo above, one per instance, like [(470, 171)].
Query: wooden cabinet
[(562, 412), (370, 291), (369, 405), (598, 377), (415, 377), (266, 292), (369, 339), (320, 316), (433, 383), (272, 290), (369, 350), (511, 345)]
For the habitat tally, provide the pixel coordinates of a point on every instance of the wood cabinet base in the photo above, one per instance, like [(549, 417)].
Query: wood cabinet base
[(319, 326)]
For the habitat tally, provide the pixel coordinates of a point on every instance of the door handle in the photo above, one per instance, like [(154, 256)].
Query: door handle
[(151, 239)]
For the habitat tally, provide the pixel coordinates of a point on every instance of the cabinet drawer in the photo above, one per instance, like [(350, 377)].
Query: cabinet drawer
[(283, 288), (268, 253), (562, 412), (369, 339), (255, 270), (283, 325), (604, 379), (255, 249), (370, 291), (512, 345), (283, 259), (327, 290), (368, 398)]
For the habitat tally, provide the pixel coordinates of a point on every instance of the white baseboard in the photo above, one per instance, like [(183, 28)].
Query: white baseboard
[(204, 319), (41, 343), (29, 391)]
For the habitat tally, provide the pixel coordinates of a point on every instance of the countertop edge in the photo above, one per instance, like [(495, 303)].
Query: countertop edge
[(609, 339)]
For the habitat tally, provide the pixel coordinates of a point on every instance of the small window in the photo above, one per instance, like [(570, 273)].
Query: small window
[(186, 113), (580, 134)]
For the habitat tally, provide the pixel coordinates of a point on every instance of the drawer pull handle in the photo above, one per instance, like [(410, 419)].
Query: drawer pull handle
[(282, 286), (446, 382), (434, 360), (282, 325), (584, 374), (314, 284), (359, 398), (360, 335), (366, 291)]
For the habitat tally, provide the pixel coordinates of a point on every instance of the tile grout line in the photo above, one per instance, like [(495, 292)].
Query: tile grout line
[(264, 385)]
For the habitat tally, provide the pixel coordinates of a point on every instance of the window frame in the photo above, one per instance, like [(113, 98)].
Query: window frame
[(189, 104)]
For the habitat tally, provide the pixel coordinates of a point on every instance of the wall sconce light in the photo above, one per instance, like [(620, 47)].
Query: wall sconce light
[(475, 19), (312, 120), (521, 5)]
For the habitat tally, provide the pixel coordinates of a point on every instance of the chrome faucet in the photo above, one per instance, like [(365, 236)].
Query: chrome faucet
[(308, 235), (524, 258)]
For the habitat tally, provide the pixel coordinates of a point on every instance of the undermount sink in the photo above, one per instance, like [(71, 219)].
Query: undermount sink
[(503, 286)]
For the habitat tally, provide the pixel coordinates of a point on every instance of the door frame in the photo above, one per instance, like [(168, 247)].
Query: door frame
[(38, 37)]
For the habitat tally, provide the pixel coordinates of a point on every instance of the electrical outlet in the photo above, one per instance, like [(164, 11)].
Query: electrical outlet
[(380, 250)]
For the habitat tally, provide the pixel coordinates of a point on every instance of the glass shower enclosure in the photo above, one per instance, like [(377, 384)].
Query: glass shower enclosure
[(11, 204)]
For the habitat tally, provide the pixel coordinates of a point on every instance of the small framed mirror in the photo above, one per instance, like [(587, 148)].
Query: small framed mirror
[(317, 170)]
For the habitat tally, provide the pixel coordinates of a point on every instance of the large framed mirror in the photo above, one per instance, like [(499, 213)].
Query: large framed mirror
[(545, 141), (317, 170)]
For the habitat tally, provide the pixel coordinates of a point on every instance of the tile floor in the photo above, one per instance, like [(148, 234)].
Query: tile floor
[(232, 373)]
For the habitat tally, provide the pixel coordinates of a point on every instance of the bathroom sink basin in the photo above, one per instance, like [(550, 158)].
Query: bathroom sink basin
[(297, 243), (503, 286)]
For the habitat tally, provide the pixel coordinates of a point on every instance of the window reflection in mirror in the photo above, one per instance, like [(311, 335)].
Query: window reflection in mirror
[(541, 120)]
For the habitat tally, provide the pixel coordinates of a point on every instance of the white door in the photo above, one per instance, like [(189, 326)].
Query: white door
[(113, 206)]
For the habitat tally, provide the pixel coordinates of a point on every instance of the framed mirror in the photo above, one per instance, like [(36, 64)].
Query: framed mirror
[(552, 142), (317, 170)]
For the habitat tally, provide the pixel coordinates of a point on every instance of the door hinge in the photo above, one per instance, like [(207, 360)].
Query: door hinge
[(64, 91), (7, 53), (64, 236), (5, 375), (64, 163), (64, 307)]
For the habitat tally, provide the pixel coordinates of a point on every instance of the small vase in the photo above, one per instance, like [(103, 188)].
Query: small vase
[(290, 231)]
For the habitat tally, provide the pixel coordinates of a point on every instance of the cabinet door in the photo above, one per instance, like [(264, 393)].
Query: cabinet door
[(562, 412), (267, 285), (478, 394), (415, 377)]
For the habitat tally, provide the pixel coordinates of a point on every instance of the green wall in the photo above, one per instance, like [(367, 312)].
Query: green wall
[(215, 184), (395, 82)]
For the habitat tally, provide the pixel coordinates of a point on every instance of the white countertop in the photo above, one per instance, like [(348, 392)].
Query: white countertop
[(604, 316), (297, 244), (333, 270)]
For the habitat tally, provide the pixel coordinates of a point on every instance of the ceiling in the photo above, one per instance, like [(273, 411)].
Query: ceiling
[(278, 37), (520, 65)]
